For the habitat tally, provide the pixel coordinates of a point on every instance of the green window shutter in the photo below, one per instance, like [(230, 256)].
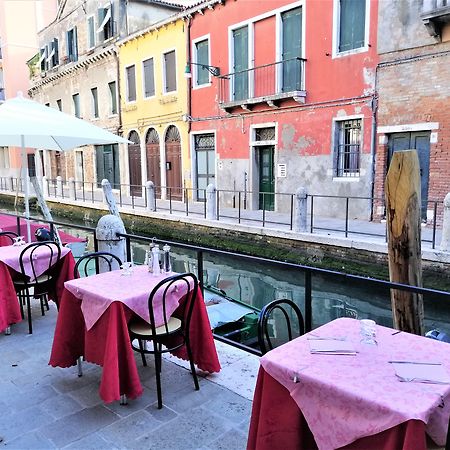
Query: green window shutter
[(91, 32), (75, 44), (352, 24), (292, 49), (202, 49), (101, 13), (116, 170), (240, 63), (100, 166)]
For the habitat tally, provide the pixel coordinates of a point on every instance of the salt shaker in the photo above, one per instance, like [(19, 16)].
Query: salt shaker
[(155, 260), (149, 257), (166, 260)]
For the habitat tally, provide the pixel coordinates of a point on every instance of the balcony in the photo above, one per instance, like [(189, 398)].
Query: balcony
[(435, 13), (269, 83)]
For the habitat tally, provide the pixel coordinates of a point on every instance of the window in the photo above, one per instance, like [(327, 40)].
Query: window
[(201, 74), (113, 97), (72, 44), (291, 50), (43, 57), (240, 63), (107, 159), (4, 158), (149, 77), (51, 55), (347, 148), (76, 104), (131, 83), (352, 25), (90, 32), (105, 30), (205, 162), (94, 97), (59, 104), (170, 75)]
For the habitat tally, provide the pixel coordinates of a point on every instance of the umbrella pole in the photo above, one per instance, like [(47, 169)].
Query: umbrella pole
[(27, 187)]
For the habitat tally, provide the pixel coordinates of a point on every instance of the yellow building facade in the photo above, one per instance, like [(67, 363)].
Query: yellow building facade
[(154, 107)]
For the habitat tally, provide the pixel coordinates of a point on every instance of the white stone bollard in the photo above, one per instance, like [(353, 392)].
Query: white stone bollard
[(10, 184), (108, 197), (45, 186), (301, 210), (445, 241), (72, 188), (151, 203), (211, 202), (106, 232), (59, 186)]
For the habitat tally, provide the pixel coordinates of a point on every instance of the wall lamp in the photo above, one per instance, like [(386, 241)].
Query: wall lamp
[(213, 70)]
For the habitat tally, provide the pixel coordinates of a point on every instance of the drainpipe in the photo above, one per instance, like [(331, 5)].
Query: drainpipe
[(373, 143), (188, 54), (119, 99)]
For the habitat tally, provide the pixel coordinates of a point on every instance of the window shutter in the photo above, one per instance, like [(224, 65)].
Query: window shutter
[(202, 58), (352, 24), (75, 44), (149, 77), (56, 55), (131, 82), (101, 15), (116, 170), (112, 30), (171, 76), (100, 165)]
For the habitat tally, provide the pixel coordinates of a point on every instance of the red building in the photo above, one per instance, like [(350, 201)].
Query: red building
[(292, 105)]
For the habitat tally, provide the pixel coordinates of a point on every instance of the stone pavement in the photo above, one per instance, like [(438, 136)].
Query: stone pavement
[(51, 408)]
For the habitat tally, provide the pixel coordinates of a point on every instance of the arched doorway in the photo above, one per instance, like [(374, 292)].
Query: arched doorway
[(134, 164), (153, 159), (173, 163)]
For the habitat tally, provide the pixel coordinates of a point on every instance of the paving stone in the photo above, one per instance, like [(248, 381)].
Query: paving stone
[(71, 381), (60, 406), (33, 440), (87, 395), (71, 428), (23, 400), (13, 425), (191, 430), (92, 441), (162, 415), (142, 402), (231, 440), (231, 406), (129, 429)]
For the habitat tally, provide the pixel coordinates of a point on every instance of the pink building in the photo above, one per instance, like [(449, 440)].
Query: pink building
[(19, 24), (293, 104)]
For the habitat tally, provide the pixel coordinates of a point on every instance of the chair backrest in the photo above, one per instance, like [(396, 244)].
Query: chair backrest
[(184, 282), (29, 254), (98, 261), (8, 236), (279, 321)]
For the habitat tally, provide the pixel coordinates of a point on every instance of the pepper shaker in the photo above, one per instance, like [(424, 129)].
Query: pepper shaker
[(167, 266), (155, 260)]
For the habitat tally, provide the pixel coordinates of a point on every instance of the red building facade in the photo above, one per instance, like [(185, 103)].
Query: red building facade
[(293, 103)]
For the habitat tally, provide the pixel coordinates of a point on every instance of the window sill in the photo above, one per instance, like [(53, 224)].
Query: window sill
[(354, 51), (351, 179), (201, 86)]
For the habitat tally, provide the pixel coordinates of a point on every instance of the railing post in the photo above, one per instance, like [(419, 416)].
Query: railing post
[(59, 186), (45, 190), (445, 241), (211, 204), (10, 184), (301, 210), (308, 301), (151, 203), (72, 188)]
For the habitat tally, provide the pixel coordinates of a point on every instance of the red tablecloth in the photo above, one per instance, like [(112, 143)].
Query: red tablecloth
[(277, 423), (9, 305), (107, 343)]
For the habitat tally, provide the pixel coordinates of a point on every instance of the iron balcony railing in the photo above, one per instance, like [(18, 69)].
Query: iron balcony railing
[(269, 82)]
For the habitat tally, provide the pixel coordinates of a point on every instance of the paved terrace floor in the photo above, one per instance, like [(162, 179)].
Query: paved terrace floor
[(52, 408)]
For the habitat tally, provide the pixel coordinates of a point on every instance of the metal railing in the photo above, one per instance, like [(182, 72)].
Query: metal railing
[(346, 216), (268, 80)]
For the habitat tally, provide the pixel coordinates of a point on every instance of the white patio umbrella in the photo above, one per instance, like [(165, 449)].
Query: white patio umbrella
[(25, 123)]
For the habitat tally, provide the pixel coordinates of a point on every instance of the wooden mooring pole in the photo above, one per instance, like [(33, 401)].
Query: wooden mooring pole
[(404, 244)]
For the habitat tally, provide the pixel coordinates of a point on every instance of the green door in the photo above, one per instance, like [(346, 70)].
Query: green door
[(240, 48), (292, 49), (266, 178)]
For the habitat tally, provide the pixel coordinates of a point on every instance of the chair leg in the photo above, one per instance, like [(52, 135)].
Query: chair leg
[(141, 347), (41, 301), (191, 362), (158, 376), (80, 367), (20, 298), (30, 326)]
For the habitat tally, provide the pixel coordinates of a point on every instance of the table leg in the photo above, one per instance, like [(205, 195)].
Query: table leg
[(123, 400), (7, 331)]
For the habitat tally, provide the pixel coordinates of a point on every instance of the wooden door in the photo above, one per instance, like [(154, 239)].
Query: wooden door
[(266, 178), (134, 163), (153, 160), (173, 163)]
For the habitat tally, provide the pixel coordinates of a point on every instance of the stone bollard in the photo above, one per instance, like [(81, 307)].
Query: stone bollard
[(151, 203), (301, 210), (108, 197), (445, 241), (10, 184), (72, 188), (45, 186), (211, 202), (59, 186), (106, 233)]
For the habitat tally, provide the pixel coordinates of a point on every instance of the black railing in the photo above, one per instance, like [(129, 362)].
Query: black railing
[(269, 80)]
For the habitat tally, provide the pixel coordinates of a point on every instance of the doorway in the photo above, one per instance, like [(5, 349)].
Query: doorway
[(173, 163), (134, 161), (153, 160), (419, 141), (266, 177)]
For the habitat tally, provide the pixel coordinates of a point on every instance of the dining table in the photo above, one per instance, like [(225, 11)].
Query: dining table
[(60, 271), (93, 323), (328, 389)]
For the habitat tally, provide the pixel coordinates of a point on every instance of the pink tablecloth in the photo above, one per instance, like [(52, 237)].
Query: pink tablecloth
[(132, 290), (344, 398), (10, 255)]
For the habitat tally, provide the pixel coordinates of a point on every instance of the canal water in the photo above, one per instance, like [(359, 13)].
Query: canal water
[(256, 284)]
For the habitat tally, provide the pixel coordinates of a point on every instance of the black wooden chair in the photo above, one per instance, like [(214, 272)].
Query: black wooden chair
[(279, 321), (8, 236), (97, 260), (173, 333), (35, 286)]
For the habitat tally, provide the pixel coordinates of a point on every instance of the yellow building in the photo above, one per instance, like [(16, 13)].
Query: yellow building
[(154, 107)]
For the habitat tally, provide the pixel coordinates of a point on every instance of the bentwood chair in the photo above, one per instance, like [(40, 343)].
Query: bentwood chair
[(279, 321), (8, 237), (173, 333), (96, 262), (36, 286)]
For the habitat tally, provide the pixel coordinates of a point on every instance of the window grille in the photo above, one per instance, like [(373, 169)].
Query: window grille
[(348, 148), (265, 134)]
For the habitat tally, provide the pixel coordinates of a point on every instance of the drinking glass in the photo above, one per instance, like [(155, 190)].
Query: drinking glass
[(368, 331)]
